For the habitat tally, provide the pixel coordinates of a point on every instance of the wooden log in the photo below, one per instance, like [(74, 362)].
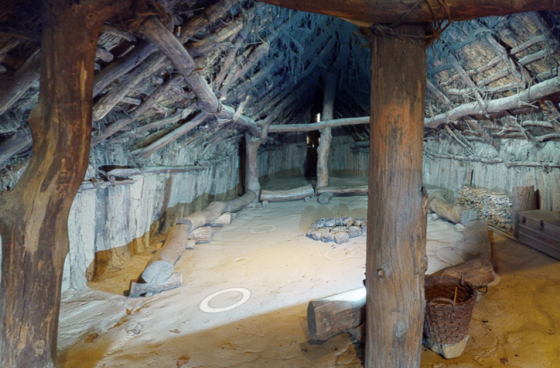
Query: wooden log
[(318, 126), (287, 195), (336, 314), (160, 267), (344, 192), (15, 144), (523, 198), (252, 145), (34, 214), (396, 236), (449, 211), (395, 11), (126, 171), (202, 235), (160, 92), (478, 271), (527, 96), (326, 134), (331, 316), (20, 83), (224, 220)]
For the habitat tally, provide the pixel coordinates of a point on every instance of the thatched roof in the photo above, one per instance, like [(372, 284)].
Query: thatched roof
[(269, 64)]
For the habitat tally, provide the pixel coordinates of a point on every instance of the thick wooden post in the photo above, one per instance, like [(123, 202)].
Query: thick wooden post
[(34, 215), (397, 208), (252, 145), (326, 136)]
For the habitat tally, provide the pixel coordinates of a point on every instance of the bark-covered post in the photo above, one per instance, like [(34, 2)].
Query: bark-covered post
[(34, 215), (326, 137), (252, 145), (397, 209)]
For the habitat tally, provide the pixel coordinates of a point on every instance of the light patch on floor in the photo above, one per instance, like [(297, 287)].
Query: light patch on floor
[(261, 272)]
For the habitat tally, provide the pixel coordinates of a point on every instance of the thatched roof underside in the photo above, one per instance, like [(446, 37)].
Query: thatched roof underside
[(270, 64)]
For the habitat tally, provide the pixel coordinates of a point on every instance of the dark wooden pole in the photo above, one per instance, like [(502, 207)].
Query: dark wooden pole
[(34, 215), (397, 209)]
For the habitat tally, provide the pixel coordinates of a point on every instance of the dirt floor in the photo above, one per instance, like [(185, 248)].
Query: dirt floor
[(244, 298)]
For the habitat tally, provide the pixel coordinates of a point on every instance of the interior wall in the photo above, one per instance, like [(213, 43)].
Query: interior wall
[(287, 158), (450, 174), (345, 158)]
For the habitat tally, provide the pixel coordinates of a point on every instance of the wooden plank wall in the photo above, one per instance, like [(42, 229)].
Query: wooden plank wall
[(449, 175), (345, 159), (287, 159)]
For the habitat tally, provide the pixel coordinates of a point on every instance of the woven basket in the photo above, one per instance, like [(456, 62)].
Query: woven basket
[(447, 322)]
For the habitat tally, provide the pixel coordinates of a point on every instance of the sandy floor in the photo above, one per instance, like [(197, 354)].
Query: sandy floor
[(273, 271)]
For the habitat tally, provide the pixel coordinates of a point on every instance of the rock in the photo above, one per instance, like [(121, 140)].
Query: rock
[(327, 237), (313, 226), (338, 229), (347, 221), (468, 216), (320, 223), (364, 229), (354, 231), (330, 222), (339, 221), (190, 244), (358, 221), (264, 203), (341, 237), (325, 198), (307, 199), (434, 216), (448, 351), (460, 228), (233, 216), (316, 234)]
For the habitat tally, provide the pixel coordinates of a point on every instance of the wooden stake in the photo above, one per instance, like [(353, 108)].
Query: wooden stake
[(397, 208)]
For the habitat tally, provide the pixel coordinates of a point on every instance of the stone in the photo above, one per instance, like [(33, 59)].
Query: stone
[(354, 231), (190, 244), (316, 234), (338, 229), (459, 228), (327, 237), (358, 221), (264, 203), (341, 237), (325, 198), (364, 229), (434, 216), (448, 351), (330, 222), (347, 221), (320, 223), (339, 221), (307, 199), (468, 216)]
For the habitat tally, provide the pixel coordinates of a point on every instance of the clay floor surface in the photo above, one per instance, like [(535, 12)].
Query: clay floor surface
[(273, 271)]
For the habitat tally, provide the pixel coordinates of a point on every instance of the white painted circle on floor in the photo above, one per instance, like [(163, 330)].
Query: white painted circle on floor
[(263, 229), (205, 304), (348, 253)]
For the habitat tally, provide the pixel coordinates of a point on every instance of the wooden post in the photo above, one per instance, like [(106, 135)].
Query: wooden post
[(252, 145), (523, 199), (34, 215), (397, 207), (326, 137)]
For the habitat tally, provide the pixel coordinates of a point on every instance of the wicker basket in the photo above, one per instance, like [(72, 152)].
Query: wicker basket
[(447, 322)]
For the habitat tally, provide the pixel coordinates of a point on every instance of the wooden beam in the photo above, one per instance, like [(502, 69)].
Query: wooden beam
[(34, 215), (20, 83), (525, 97), (397, 206), (414, 11), (286, 128)]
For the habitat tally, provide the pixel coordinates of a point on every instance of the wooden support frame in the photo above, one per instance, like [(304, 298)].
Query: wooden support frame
[(396, 239), (34, 215), (326, 134)]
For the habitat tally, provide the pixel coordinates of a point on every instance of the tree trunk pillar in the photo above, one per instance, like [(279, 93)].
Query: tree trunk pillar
[(326, 137), (397, 206), (252, 145), (34, 215)]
